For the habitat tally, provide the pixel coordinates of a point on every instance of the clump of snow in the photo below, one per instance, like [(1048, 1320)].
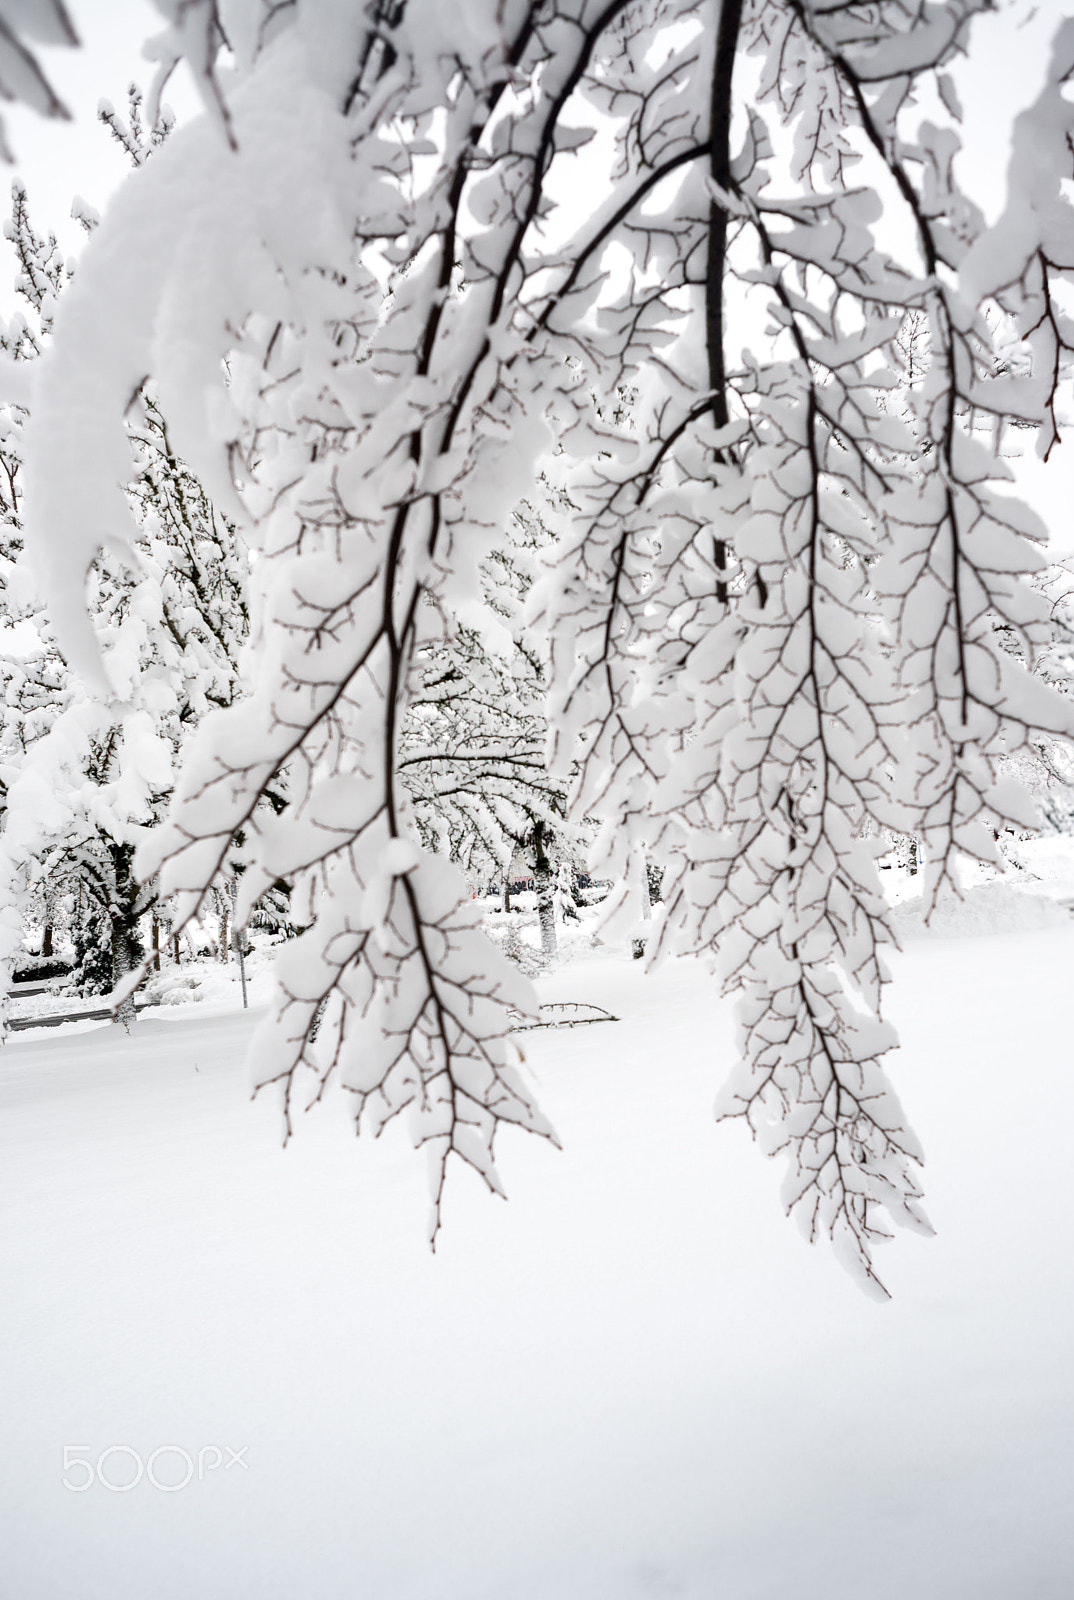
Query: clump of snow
[(518, 932), (1048, 863), (1033, 890), (202, 982), (174, 986), (209, 981), (985, 908)]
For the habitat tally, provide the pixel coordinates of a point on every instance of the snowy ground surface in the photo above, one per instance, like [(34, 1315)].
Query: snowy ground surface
[(632, 1382)]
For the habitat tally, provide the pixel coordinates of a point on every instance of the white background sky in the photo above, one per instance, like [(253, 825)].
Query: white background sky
[(58, 160)]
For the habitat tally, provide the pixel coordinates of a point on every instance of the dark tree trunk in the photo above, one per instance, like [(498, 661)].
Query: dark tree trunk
[(716, 266), (127, 947), (545, 885)]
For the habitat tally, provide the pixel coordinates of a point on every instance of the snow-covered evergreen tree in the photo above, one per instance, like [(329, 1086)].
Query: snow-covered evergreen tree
[(83, 776)]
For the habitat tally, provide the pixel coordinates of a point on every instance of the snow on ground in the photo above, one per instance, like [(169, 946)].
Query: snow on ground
[(632, 1382)]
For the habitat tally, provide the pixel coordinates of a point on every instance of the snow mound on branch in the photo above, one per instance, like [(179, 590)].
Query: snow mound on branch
[(984, 909)]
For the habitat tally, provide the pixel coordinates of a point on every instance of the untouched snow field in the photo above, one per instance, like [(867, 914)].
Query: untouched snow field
[(632, 1382)]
